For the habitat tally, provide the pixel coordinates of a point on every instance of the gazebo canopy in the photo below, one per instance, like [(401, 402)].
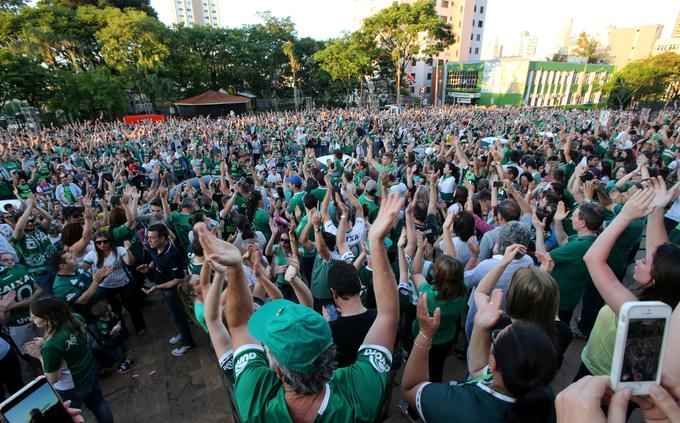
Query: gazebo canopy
[(212, 98)]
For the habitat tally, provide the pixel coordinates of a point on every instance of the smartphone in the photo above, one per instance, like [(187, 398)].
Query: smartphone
[(640, 346), (35, 402), (331, 311), (497, 184)]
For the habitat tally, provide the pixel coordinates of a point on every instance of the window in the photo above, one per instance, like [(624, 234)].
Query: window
[(443, 18), (479, 37), (413, 90), (475, 7), (461, 9), (473, 22), (476, 50), (479, 24), (472, 36), (429, 76), (481, 9), (445, 3), (413, 75), (428, 90), (470, 50), (459, 24), (462, 80)]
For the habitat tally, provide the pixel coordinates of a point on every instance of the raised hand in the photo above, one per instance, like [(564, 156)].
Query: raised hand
[(547, 263), (538, 223), (428, 325), (402, 238), (512, 251), (489, 310), (561, 213), (639, 205), (387, 216), (663, 195), (7, 300), (220, 251)]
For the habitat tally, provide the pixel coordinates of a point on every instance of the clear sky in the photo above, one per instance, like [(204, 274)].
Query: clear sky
[(324, 19)]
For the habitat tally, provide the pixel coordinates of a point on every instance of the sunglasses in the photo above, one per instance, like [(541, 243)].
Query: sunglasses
[(101, 241), (285, 240)]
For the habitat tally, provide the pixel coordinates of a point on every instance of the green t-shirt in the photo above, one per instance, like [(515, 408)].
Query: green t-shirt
[(70, 287), (319, 193), (35, 248), (450, 310), (354, 394), (598, 353), (261, 223), (123, 233), (18, 280), (296, 201), (66, 346), (280, 259), (372, 208), (319, 286), (570, 271), (181, 226), (618, 257), (381, 168), (298, 231), (104, 328)]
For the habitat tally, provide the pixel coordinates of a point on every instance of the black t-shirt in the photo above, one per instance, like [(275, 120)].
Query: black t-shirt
[(349, 333), (167, 265), (430, 228)]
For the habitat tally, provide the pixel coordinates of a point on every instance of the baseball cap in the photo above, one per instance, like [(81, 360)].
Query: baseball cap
[(294, 333), (295, 180)]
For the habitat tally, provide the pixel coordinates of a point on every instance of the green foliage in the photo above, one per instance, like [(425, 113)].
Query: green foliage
[(22, 78), (87, 94), (132, 39), (647, 80)]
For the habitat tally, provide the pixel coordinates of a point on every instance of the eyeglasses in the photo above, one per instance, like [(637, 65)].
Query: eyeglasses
[(101, 241)]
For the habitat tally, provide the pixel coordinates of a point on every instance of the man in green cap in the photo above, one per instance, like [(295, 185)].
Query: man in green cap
[(293, 378)]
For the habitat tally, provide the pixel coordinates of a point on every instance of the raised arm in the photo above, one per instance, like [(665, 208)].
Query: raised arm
[(417, 267), (223, 256), (219, 335), (656, 234), (611, 289), (20, 226), (432, 203), (384, 329), (302, 292), (449, 248)]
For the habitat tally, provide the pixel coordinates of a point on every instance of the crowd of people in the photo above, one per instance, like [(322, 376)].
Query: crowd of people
[(333, 255)]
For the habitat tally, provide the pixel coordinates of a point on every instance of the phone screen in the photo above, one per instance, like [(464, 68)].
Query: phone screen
[(331, 311), (38, 403), (643, 350)]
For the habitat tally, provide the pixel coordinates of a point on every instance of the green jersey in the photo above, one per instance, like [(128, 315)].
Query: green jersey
[(296, 202), (381, 168), (372, 207), (261, 223), (195, 266), (70, 287), (35, 248), (354, 394), (570, 271), (104, 328), (71, 348), (18, 280), (181, 226)]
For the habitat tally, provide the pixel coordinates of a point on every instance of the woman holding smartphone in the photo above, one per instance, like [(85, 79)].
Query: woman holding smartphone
[(658, 274), (66, 356)]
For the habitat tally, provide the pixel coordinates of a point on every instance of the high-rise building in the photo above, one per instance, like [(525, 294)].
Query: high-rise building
[(525, 45), (632, 43), (563, 39), (196, 12), (669, 44)]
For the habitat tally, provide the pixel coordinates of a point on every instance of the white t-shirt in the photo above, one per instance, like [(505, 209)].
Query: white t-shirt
[(353, 237), (117, 277)]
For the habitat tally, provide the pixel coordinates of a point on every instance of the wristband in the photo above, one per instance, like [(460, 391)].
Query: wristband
[(421, 346), (424, 336)]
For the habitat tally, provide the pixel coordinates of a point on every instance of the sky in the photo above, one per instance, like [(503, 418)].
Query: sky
[(323, 19)]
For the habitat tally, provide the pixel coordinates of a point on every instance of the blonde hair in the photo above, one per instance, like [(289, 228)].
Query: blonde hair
[(533, 297)]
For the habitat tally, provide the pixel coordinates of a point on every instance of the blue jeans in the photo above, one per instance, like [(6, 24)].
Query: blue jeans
[(90, 393), (174, 307)]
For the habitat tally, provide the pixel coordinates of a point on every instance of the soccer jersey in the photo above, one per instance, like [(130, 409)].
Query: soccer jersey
[(354, 394), (18, 280), (35, 248)]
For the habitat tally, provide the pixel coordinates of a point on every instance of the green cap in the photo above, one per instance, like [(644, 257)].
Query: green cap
[(294, 333)]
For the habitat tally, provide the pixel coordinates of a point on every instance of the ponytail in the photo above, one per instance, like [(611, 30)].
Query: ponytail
[(528, 361)]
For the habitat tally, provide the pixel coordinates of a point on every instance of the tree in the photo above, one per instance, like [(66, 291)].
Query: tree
[(132, 39), (408, 31), (288, 49), (669, 63), (638, 80), (84, 95), (23, 79), (587, 48), (345, 60)]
